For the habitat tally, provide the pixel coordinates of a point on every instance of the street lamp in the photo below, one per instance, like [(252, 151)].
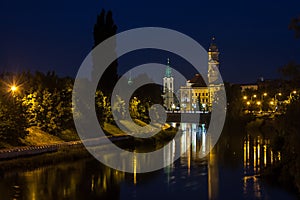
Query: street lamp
[(13, 88), (245, 97), (276, 100), (292, 93), (259, 104), (264, 95)]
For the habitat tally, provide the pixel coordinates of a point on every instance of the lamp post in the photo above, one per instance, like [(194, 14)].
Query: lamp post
[(259, 105), (263, 96), (292, 93), (276, 100)]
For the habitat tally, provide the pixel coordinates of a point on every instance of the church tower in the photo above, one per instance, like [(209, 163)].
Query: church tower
[(213, 62), (168, 87)]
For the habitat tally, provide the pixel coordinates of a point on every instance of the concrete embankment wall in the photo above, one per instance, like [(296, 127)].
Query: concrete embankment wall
[(34, 150)]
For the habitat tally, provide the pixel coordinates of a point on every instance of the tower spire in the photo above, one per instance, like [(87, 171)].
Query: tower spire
[(168, 69), (130, 82)]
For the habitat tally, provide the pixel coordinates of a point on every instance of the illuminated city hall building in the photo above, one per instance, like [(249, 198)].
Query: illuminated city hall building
[(196, 95)]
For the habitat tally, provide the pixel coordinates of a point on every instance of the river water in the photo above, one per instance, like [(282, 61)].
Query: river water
[(230, 171)]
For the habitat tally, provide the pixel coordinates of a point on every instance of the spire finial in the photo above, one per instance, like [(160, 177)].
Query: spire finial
[(213, 38)]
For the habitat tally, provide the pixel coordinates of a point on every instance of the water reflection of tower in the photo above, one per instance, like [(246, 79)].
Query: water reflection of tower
[(197, 137), (213, 176)]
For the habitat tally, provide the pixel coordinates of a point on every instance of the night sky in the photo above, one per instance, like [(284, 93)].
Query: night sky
[(252, 36)]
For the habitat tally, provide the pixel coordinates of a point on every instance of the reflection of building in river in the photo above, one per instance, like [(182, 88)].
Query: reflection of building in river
[(257, 155), (194, 144)]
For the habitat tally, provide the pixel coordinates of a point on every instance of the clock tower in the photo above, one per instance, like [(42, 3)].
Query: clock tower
[(213, 63), (168, 87)]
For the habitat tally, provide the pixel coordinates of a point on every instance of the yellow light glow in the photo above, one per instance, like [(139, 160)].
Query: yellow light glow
[(279, 94), (272, 102), (294, 92), (248, 103), (254, 96), (265, 94), (258, 103), (13, 88), (245, 97)]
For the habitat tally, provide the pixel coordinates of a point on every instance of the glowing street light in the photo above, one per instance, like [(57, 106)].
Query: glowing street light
[(292, 93), (13, 88), (248, 103), (245, 97), (272, 103), (265, 94), (258, 103), (254, 96)]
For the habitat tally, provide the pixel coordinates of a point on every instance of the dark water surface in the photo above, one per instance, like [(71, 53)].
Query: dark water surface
[(231, 171)]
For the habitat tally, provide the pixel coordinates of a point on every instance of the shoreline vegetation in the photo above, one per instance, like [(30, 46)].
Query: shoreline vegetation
[(71, 149)]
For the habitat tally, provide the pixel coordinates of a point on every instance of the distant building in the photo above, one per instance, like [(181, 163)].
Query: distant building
[(251, 86), (196, 95)]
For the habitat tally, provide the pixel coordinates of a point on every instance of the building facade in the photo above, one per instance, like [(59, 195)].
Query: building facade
[(196, 95)]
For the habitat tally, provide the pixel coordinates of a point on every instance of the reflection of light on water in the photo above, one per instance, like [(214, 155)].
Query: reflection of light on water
[(271, 157), (245, 155), (258, 156), (254, 158), (248, 151), (252, 181), (134, 169), (194, 140), (203, 142), (92, 186), (265, 155), (213, 176)]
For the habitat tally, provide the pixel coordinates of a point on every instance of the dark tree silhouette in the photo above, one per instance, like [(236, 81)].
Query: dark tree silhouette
[(103, 29), (295, 25)]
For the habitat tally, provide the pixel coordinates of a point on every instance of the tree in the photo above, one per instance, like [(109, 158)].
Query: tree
[(13, 122), (103, 29), (103, 108), (290, 71), (295, 25)]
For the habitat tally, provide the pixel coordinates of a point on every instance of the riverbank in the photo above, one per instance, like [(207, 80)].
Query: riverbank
[(63, 154), (28, 157)]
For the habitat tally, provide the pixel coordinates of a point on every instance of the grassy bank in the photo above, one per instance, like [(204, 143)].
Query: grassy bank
[(71, 153), (64, 154)]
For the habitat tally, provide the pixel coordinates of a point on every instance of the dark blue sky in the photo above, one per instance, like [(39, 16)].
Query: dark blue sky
[(253, 36)]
